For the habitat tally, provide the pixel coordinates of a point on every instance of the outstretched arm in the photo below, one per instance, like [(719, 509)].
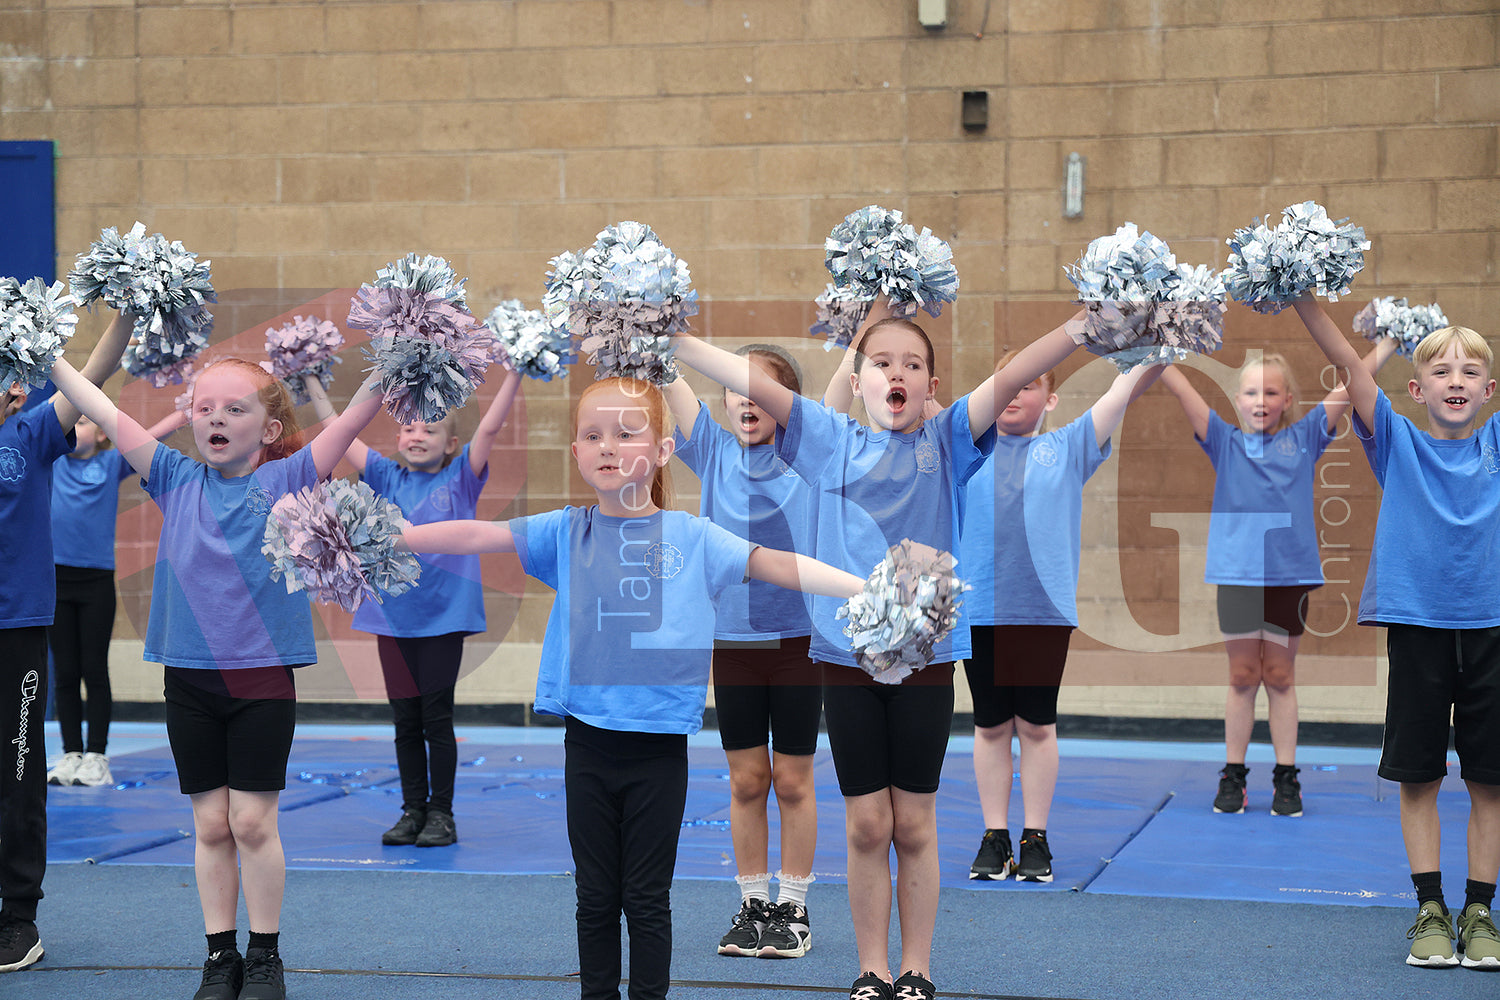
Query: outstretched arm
[(1041, 355), (334, 440), (1124, 390), (83, 396), (491, 422), (460, 538), (1341, 354), (358, 451), (799, 572), (1337, 400), (737, 373), (840, 392), (1193, 405), (683, 404), (103, 362)]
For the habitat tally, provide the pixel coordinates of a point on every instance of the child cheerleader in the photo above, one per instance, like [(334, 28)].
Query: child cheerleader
[(30, 441), (762, 684), (420, 634), (85, 496), (1020, 552), (625, 662), (901, 477), (229, 637), (1263, 553)]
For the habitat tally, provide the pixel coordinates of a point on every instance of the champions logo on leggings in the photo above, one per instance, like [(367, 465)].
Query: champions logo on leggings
[(29, 686)]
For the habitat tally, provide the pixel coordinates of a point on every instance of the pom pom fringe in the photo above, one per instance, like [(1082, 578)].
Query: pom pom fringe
[(873, 252), (909, 604), (1308, 252), (36, 322)]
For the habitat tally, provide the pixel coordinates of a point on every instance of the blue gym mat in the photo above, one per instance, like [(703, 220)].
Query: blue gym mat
[(1137, 826)]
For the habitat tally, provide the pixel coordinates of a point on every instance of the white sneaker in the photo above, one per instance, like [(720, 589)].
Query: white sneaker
[(93, 771), (65, 770)]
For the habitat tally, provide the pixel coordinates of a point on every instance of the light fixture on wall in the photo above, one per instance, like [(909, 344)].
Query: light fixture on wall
[(933, 14), (1073, 187)]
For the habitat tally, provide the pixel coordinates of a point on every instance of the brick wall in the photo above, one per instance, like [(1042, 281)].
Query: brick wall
[(301, 145)]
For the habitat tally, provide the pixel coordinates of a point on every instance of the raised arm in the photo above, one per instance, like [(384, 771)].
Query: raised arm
[(1337, 400), (335, 440), (737, 373), (1041, 355), (799, 572), (683, 404), (1341, 354), (840, 392), (358, 451), (103, 362), (460, 538), (83, 396), (1124, 390), (1194, 407), (490, 424)]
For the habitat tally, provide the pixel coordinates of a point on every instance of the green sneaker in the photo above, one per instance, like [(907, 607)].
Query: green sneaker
[(1478, 939), (1432, 939)]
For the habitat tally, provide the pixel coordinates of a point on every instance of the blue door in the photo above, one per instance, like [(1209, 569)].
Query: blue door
[(27, 211)]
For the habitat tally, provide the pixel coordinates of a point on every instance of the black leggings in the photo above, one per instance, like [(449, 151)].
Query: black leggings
[(79, 637), (626, 796), (420, 674)]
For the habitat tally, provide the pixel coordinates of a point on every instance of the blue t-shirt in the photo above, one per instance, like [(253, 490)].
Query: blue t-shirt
[(758, 497), (1262, 532), (213, 602), (1437, 539), (449, 597), (1021, 536), (629, 639), (876, 488), (85, 498), (30, 441)]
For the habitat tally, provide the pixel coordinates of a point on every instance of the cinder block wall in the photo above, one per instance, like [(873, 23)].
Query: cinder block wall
[(301, 145)]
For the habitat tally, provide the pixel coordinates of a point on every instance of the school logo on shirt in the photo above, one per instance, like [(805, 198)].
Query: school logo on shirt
[(1286, 447), (258, 500), (92, 473), (663, 560), (442, 499), (1490, 458), (1044, 453), (12, 465), (928, 459), (783, 468)]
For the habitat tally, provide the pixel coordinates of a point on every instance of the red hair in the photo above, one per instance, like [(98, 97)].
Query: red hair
[(658, 417), (277, 401)]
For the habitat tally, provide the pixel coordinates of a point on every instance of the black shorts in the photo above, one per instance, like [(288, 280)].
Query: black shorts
[(1016, 671), (759, 690), (888, 735), (1276, 610), (1438, 674), (231, 727)]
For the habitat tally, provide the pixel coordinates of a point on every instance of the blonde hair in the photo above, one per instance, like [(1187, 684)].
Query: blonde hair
[(658, 417), (1048, 378), (1293, 393), (274, 397), (1470, 345)]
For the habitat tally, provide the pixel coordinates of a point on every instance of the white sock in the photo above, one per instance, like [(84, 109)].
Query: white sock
[(755, 887), (792, 888)]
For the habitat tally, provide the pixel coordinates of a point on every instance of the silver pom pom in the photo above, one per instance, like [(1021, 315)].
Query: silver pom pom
[(528, 344), (840, 312), (429, 274), (1308, 252), (872, 252), (337, 541), (308, 345), (36, 322), (1405, 324), (909, 604)]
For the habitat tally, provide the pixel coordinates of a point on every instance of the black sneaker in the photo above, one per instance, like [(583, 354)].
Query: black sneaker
[(743, 938), (1287, 800), (438, 831), (406, 830), (994, 860), (223, 975), (911, 986), (264, 977), (1036, 859), (1231, 797), (19, 944), (871, 987), (788, 932)]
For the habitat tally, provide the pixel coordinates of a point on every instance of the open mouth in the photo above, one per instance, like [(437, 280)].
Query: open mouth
[(1456, 401), (896, 398), (749, 421), (217, 440)]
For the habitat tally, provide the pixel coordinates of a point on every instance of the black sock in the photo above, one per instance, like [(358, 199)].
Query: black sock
[(1479, 892), (1235, 769), (221, 941), (1283, 769), (1028, 832), (1429, 886), (266, 942)]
